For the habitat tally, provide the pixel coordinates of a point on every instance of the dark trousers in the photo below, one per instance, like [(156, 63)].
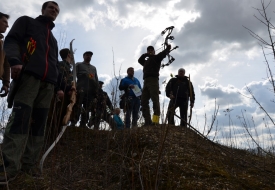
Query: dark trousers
[(84, 98), (24, 134), (132, 109), (183, 106), (99, 115), (150, 91)]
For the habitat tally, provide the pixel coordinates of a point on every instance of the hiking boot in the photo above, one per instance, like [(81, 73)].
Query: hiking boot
[(4, 180)]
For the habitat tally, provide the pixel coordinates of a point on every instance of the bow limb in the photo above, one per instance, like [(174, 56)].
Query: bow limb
[(165, 44), (68, 113), (70, 106), (191, 99), (190, 116), (73, 95), (51, 147)]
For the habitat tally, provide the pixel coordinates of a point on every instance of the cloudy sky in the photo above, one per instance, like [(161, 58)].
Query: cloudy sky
[(214, 48)]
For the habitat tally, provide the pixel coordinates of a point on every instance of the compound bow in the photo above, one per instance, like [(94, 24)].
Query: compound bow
[(165, 44)]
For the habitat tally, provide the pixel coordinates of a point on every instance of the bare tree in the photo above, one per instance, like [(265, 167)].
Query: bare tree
[(267, 44)]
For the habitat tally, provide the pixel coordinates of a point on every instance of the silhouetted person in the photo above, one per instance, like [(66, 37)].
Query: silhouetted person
[(180, 92)]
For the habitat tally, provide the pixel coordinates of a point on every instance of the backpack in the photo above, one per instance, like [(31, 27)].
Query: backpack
[(122, 102)]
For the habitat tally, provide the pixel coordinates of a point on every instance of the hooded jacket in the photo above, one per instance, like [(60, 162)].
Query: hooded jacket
[(179, 87), (42, 62), (4, 65)]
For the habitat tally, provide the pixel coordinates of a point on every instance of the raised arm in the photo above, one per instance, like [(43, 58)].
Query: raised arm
[(142, 60)]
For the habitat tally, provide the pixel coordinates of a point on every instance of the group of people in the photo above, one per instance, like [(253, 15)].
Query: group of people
[(90, 99), (29, 56), (179, 90)]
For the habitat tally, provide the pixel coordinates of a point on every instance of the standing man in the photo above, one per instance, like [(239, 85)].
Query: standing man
[(32, 52), (151, 68), (65, 76), (4, 65), (63, 91), (100, 111), (179, 89), (132, 89), (87, 85)]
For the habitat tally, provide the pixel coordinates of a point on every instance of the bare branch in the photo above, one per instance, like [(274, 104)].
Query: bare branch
[(254, 98), (254, 35), (271, 80)]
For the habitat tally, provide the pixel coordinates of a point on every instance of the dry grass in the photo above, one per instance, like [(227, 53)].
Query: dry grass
[(156, 157)]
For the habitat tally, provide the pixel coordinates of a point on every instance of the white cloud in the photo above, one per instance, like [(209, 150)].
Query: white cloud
[(150, 17), (224, 50), (104, 78), (228, 95), (214, 47), (252, 53)]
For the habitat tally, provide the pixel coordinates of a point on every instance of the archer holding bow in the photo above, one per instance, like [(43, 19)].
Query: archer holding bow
[(151, 65), (179, 89), (63, 89)]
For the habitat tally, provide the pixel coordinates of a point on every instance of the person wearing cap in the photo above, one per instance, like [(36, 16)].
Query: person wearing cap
[(63, 90), (65, 77), (128, 84), (179, 89), (102, 109), (87, 85), (151, 65)]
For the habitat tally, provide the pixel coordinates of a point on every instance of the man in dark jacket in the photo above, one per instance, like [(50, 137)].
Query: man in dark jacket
[(102, 109), (32, 52), (179, 90), (87, 85), (65, 76), (151, 68), (63, 90)]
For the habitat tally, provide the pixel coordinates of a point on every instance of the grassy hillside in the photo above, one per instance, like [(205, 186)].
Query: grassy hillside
[(156, 157)]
